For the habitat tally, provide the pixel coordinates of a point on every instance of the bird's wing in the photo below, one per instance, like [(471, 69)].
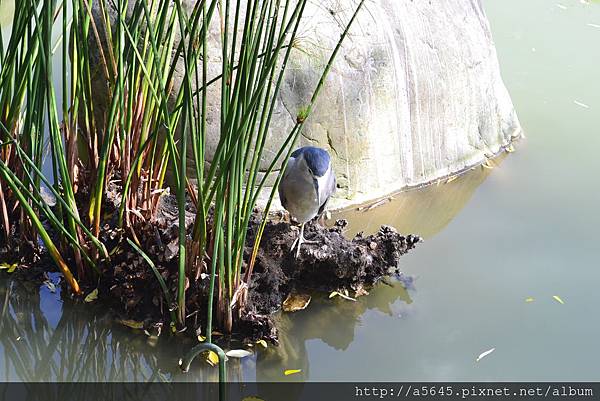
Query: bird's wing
[(325, 188), (280, 189)]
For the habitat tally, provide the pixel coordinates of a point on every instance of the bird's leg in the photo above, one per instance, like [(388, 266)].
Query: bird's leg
[(298, 241), (301, 240)]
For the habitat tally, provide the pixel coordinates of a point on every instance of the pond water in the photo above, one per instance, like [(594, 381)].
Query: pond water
[(494, 238)]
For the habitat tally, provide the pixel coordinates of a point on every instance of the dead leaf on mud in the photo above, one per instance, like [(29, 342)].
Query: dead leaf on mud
[(295, 302), (360, 291), (132, 324)]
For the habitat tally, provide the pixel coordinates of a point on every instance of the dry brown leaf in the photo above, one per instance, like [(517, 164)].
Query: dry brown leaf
[(295, 302)]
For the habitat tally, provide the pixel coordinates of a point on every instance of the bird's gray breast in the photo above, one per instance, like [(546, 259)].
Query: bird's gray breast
[(297, 191)]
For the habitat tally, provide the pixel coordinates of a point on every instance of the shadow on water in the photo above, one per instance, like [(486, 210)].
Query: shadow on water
[(424, 211)]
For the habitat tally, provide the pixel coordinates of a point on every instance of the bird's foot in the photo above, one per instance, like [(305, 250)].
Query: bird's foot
[(299, 241), (283, 216)]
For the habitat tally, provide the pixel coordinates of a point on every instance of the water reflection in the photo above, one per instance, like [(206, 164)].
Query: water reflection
[(43, 338), (46, 338), (333, 321)]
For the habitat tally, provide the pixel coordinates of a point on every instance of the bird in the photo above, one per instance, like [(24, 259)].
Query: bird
[(307, 183)]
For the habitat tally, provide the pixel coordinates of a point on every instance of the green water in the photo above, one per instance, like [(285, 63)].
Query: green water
[(527, 230)]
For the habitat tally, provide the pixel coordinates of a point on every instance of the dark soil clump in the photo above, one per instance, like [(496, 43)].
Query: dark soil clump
[(333, 263)]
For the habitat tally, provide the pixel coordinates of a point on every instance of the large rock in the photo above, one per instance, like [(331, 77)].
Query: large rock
[(415, 93)]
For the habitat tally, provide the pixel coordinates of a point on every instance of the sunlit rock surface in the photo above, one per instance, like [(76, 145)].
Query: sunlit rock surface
[(415, 93)]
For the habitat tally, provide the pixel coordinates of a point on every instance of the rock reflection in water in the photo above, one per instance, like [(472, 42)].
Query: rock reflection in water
[(424, 211)]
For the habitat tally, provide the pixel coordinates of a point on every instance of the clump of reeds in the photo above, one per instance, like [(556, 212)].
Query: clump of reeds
[(150, 126)]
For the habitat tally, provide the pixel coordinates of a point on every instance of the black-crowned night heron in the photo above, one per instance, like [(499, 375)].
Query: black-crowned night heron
[(307, 183)]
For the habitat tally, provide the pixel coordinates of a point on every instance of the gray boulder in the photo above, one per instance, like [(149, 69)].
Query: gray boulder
[(415, 93)]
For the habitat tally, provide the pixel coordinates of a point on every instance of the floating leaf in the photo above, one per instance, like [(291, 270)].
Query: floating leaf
[(132, 324), (50, 285), (263, 343), (530, 299), (488, 164), (484, 354), (292, 371), (580, 104), (92, 296), (339, 294), (452, 178), (295, 302), (238, 353), (558, 299), (211, 358)]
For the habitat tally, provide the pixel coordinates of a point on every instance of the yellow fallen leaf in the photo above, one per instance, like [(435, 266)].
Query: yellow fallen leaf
[(92, 296), (263, 343), (530, 299), (132, 324), (12, 268), (292, 371), (211, 358), (201, 339), (558, 299)]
